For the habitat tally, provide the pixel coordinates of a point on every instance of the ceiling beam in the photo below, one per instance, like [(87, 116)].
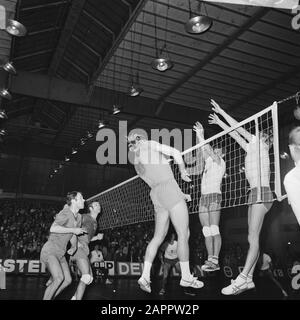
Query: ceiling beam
[(50, 88), (115, 45), (72, 19), (247, 25)]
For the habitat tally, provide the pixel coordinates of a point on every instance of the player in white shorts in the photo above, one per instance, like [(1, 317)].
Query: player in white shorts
[(210, 201), (256, 211), (292, 178), (169, 204)]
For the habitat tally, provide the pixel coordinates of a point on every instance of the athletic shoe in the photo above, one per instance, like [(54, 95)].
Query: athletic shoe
[(162, 292), (108, 281), (206, 265), (251, 285), (144, 284), (234, 288), (193, 282), (212, 267)]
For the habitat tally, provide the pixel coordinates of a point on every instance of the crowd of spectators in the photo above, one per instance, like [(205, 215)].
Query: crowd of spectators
[(25, 224)]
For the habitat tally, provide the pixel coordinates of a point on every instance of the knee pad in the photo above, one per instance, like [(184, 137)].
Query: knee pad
[(206, 232), (86, 279), (214, 229)]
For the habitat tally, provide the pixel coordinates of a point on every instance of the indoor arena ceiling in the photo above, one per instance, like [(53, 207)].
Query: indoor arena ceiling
[(248, 59)]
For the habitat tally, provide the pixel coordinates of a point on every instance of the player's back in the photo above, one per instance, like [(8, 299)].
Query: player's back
[(151, 165)]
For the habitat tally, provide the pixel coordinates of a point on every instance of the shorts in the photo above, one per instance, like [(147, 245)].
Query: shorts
[(171, 262), (81, 253), (207, 200), (266, 195), (166, 195), (50, 249)]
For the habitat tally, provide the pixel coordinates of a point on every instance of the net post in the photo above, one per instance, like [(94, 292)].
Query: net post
[(277, 179), (258, 162)]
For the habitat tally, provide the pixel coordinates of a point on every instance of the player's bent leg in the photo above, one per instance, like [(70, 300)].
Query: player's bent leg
[(162, 221), (83, 265), (180, 219), (256, 214), (67, 276), (204, 220), (166, 270), (57, 276)]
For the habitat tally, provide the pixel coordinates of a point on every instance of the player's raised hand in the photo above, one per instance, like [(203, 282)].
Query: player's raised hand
[(198, 128), (213, 119), (185, 176), (215, 106)]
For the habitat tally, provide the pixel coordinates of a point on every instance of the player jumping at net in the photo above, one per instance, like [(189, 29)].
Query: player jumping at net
[(81, 256), (169, 203), (66, 224), (210, 201), (292, 178), (256, 211)]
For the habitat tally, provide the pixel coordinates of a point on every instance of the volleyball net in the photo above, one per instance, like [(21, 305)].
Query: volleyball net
[(129, 202)]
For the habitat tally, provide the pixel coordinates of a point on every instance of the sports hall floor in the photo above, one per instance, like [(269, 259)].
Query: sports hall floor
[(32, 288)]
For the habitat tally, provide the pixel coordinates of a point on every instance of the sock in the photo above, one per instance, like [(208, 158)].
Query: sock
[(146, 270), (241, 278), (185, 269), (209, 258), (215, 259), (249, 278), (73, 298)]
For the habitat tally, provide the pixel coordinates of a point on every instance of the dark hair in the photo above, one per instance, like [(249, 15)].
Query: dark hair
[(71, 195), (90, 205)]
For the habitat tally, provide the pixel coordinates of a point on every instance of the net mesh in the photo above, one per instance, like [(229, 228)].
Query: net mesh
[(258, 165)]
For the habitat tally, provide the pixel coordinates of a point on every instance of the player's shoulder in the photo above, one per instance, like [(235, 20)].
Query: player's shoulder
[(291, 174), (64, 211)]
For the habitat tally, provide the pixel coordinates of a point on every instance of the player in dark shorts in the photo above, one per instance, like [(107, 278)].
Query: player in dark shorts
[(66, 224), (81, 256)]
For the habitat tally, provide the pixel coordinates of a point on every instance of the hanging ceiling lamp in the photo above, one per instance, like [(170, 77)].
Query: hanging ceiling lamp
[(162, 62), (15, 28), (297, 108), (135, 88), (8, 67), (200, 23), (4, 93), (3, 114)]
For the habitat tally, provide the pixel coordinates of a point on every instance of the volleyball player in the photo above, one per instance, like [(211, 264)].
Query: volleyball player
[(66, 224), (169, 203), (89, 223), (292, 178), (210, 201), (256, 211)]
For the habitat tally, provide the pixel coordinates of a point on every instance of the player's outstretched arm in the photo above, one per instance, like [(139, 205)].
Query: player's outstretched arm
[(99, 236), (169, 151), (232, 122), (214, 119), (206, 149), (56, 228)]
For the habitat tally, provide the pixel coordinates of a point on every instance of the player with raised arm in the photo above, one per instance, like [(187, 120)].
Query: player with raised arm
[(256, 211), (210, 201), (66, 224), (169, 203), (292, 178), (89, 223)]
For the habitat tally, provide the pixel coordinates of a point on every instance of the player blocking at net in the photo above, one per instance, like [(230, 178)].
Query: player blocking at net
[(256, 178), (292, 179), (169, 204), (210, 201)]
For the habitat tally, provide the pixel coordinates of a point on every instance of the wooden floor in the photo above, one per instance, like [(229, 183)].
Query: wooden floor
[(32, 288)]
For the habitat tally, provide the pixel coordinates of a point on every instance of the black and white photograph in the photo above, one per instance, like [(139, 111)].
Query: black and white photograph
[(150, 153)]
